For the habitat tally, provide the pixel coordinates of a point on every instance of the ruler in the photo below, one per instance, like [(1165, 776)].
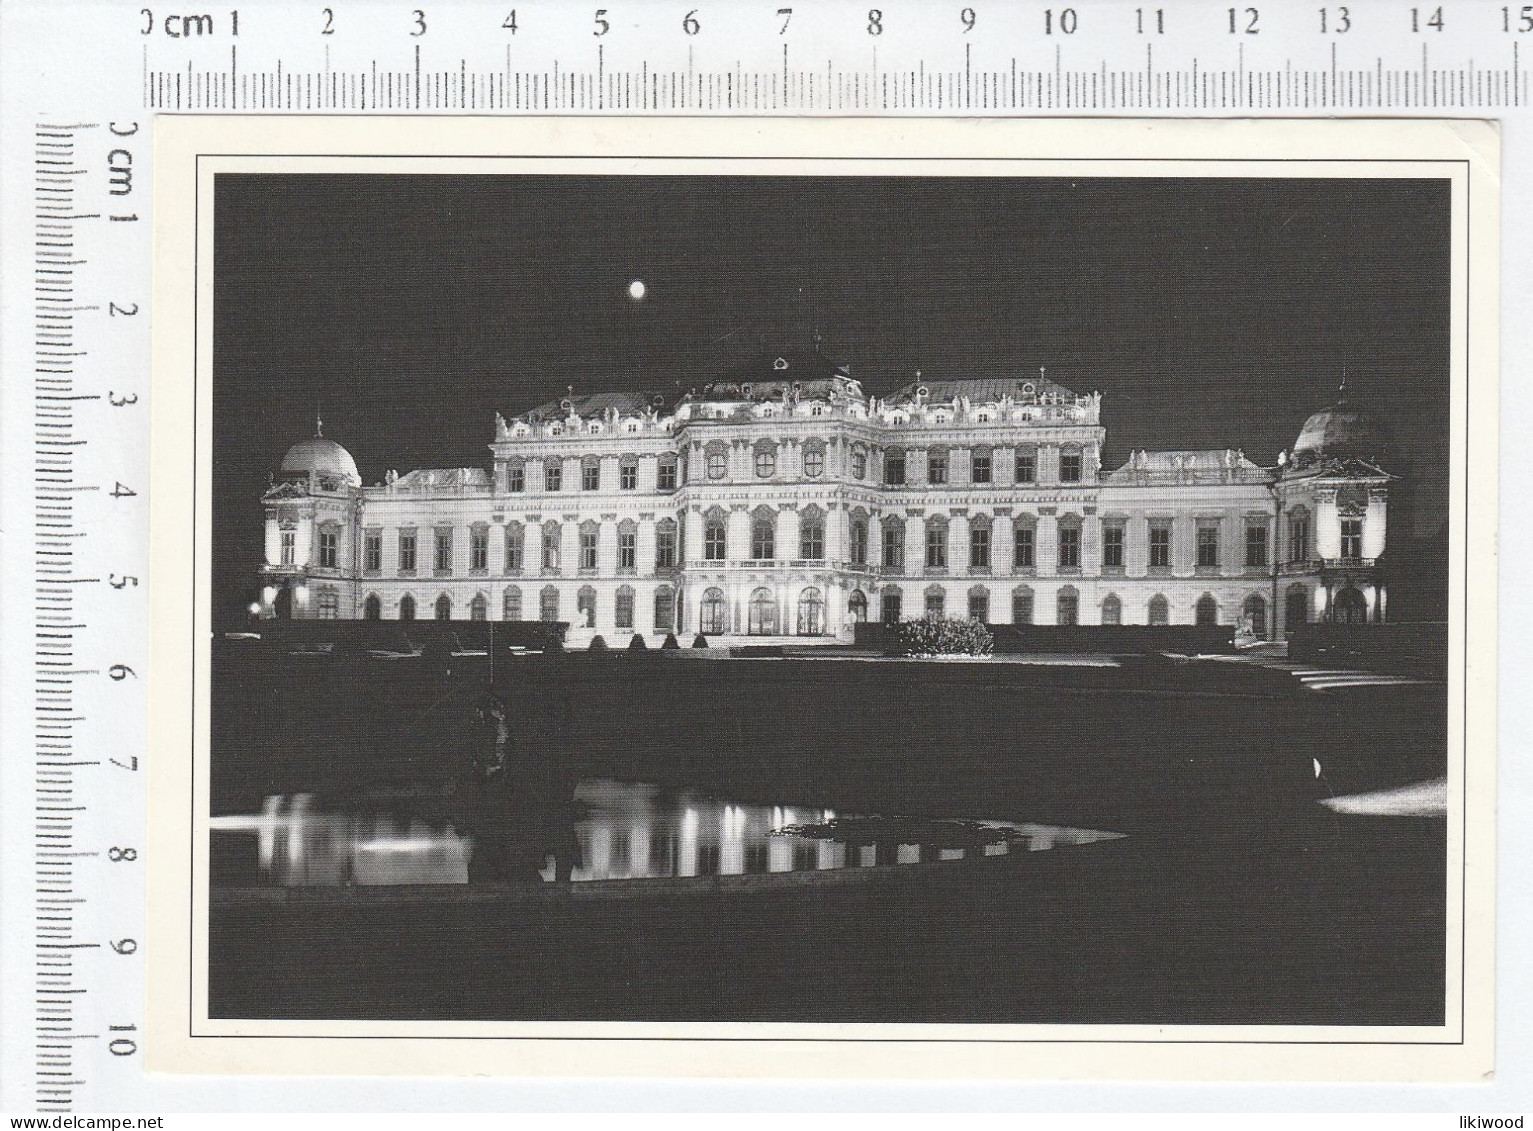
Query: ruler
[(82, 84)]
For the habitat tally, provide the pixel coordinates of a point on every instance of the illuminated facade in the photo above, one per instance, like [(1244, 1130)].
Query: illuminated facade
[(783, 501)]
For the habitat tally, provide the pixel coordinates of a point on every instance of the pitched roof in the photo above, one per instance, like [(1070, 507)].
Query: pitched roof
[(981, 390)]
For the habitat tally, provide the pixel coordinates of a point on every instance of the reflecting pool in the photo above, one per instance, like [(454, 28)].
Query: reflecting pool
[(609, 831)]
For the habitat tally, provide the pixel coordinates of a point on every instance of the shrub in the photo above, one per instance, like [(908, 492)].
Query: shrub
[(699, 641), (598, 644), (637, 644), (942, 636), (671, 644)]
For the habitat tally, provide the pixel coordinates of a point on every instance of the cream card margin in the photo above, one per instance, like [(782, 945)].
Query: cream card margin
[(181, 1038)]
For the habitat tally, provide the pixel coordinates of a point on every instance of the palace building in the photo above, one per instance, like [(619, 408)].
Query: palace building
[(783, 501)]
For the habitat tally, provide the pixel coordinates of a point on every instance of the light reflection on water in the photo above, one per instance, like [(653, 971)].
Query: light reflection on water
[(612, 831)]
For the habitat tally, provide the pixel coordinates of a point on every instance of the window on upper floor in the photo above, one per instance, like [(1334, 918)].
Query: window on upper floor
[(665, 473), (479, 549), (811, 538), (1208, 545), (551, 538), (627, 550), (1256, 545), (763, 539), (936, 466), (329, 548), (1298, 538), (516, 478), (859, 541), (936, 545), (628, 477), (1160, 545), (894, 546), (1069, 547), (588, 548), (553, 476), (980, 467), (979, 547), (514, 538), (1027, 466), (1351, 537), (766, 463), (894, 469), (665, 547), (1112, 546), (1069, 467), (590, 476), (407, 551), (859, 463), (814, 462), (718, 463), (442, 563), (372, 551), (715, 541), (1025, 556), (289, 547)]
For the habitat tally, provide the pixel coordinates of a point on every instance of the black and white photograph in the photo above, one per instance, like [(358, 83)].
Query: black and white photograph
[(885, 593)]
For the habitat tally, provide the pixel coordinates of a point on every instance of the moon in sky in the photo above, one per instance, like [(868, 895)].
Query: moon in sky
[(636, 289)]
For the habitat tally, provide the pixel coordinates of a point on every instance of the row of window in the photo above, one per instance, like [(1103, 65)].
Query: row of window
[(812, 545), (624, 600), (666, 475)]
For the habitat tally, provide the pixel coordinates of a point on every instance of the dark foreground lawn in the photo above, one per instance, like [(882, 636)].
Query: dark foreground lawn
[(1235, 898)]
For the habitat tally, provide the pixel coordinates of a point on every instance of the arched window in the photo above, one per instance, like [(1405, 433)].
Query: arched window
[(327, 604), (714, 614), (1022, 605), (979, 603), (859, 541), (1112, 609), (811, 534), (1347, 607), (479, 607), (1254, 613), (444, 607), (936, 600), (1295, 608), (585, 606), (715, 540), (890, 604), (548, 603), (1206, 613), (763, 536), (1069, 606), (1160, 610), (372, 608), (407, 607), (857, 605), (763, 613), (622, 608), (511, 604), (811, 612), (665, 609)]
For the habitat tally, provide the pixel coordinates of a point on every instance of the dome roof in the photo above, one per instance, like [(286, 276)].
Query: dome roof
[(322, 456), (1340, 432)]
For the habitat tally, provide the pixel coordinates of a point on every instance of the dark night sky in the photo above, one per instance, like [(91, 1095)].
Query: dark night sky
[(1210, 313)]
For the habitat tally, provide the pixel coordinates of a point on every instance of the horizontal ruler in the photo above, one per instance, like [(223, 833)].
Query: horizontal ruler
[(834, 56)]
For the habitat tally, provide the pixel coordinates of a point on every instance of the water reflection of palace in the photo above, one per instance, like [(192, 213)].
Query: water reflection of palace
[(782, 500), (623, 831)]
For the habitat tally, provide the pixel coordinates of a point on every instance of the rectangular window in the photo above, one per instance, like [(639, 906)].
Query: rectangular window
[(628, 477), (289, 547), (1026, 557), (812, 541), (981, 467), (1027, 467), (893, 600), (665, 548), (1208, 546), (1070, 467), (511, 605), (936, 546), (443, 560), (936, 467), (1256, 546), (1160, 545), (1069, 547), (715, 542), (1022, 607), (513, 549), (407, 551), (551, 548), (894, 469), (666, 473), (979, 547), (372, 551), (627, 550), (590, 476), (622, 609), (329, 541), (936, 603), (479, 550), (1112, 547), (859, 543), (553, 475), (1298, 538), (894, 547), (979, 606), (548, 604), (516, 479), (1351, 538), (588, 549)]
